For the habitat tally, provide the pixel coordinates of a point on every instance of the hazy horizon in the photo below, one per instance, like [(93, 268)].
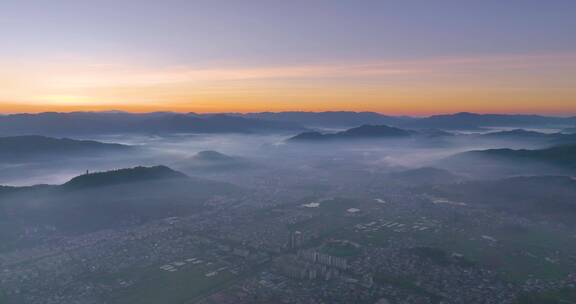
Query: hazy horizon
[(112, 110), (287, 151)]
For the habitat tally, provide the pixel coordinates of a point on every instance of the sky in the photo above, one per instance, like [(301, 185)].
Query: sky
[(389, 56)]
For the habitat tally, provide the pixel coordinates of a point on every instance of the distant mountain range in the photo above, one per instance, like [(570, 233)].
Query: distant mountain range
[(113, 122), (362, 132), (525, 136), (518, 133), (457, 121), (82, 123), (562, 156), (532, 138), (465, 120), (32, 147), (330, 119), (493, 163)]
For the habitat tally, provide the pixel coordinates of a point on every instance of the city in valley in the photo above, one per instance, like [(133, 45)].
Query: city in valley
[(367, 214), (287, 152)]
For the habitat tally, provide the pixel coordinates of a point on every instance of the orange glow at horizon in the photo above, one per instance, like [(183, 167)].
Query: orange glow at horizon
[(544, 83)]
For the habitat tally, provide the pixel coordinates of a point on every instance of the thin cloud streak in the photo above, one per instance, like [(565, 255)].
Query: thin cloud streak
[(386, 84), (118, 75)]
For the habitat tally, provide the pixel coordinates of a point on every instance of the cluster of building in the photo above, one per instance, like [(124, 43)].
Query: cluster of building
[(274, 246)]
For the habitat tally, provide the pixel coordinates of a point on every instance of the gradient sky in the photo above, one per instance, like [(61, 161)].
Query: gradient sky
[(397, 57)]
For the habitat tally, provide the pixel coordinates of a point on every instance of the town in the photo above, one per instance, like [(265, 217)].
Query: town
[(384, 245)]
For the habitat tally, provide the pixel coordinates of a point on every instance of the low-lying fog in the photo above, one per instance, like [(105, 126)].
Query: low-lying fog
[(272, 152)]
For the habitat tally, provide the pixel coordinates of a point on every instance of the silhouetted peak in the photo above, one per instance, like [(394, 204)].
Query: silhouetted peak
[(121, 176), (210, 155), (375, 131)]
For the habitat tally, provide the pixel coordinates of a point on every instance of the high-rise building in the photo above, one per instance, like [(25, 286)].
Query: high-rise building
[(296, 240)]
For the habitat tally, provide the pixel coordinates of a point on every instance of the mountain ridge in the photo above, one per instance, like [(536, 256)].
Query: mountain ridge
[(123, 176), (31, 146), (361, 132), (83, 123), (108, 122)]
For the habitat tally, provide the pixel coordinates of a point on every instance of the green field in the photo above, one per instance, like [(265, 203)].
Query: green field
[(562, 296), (518, 254), (182, 286), (340, 250), (407, 284), (3, 299)]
